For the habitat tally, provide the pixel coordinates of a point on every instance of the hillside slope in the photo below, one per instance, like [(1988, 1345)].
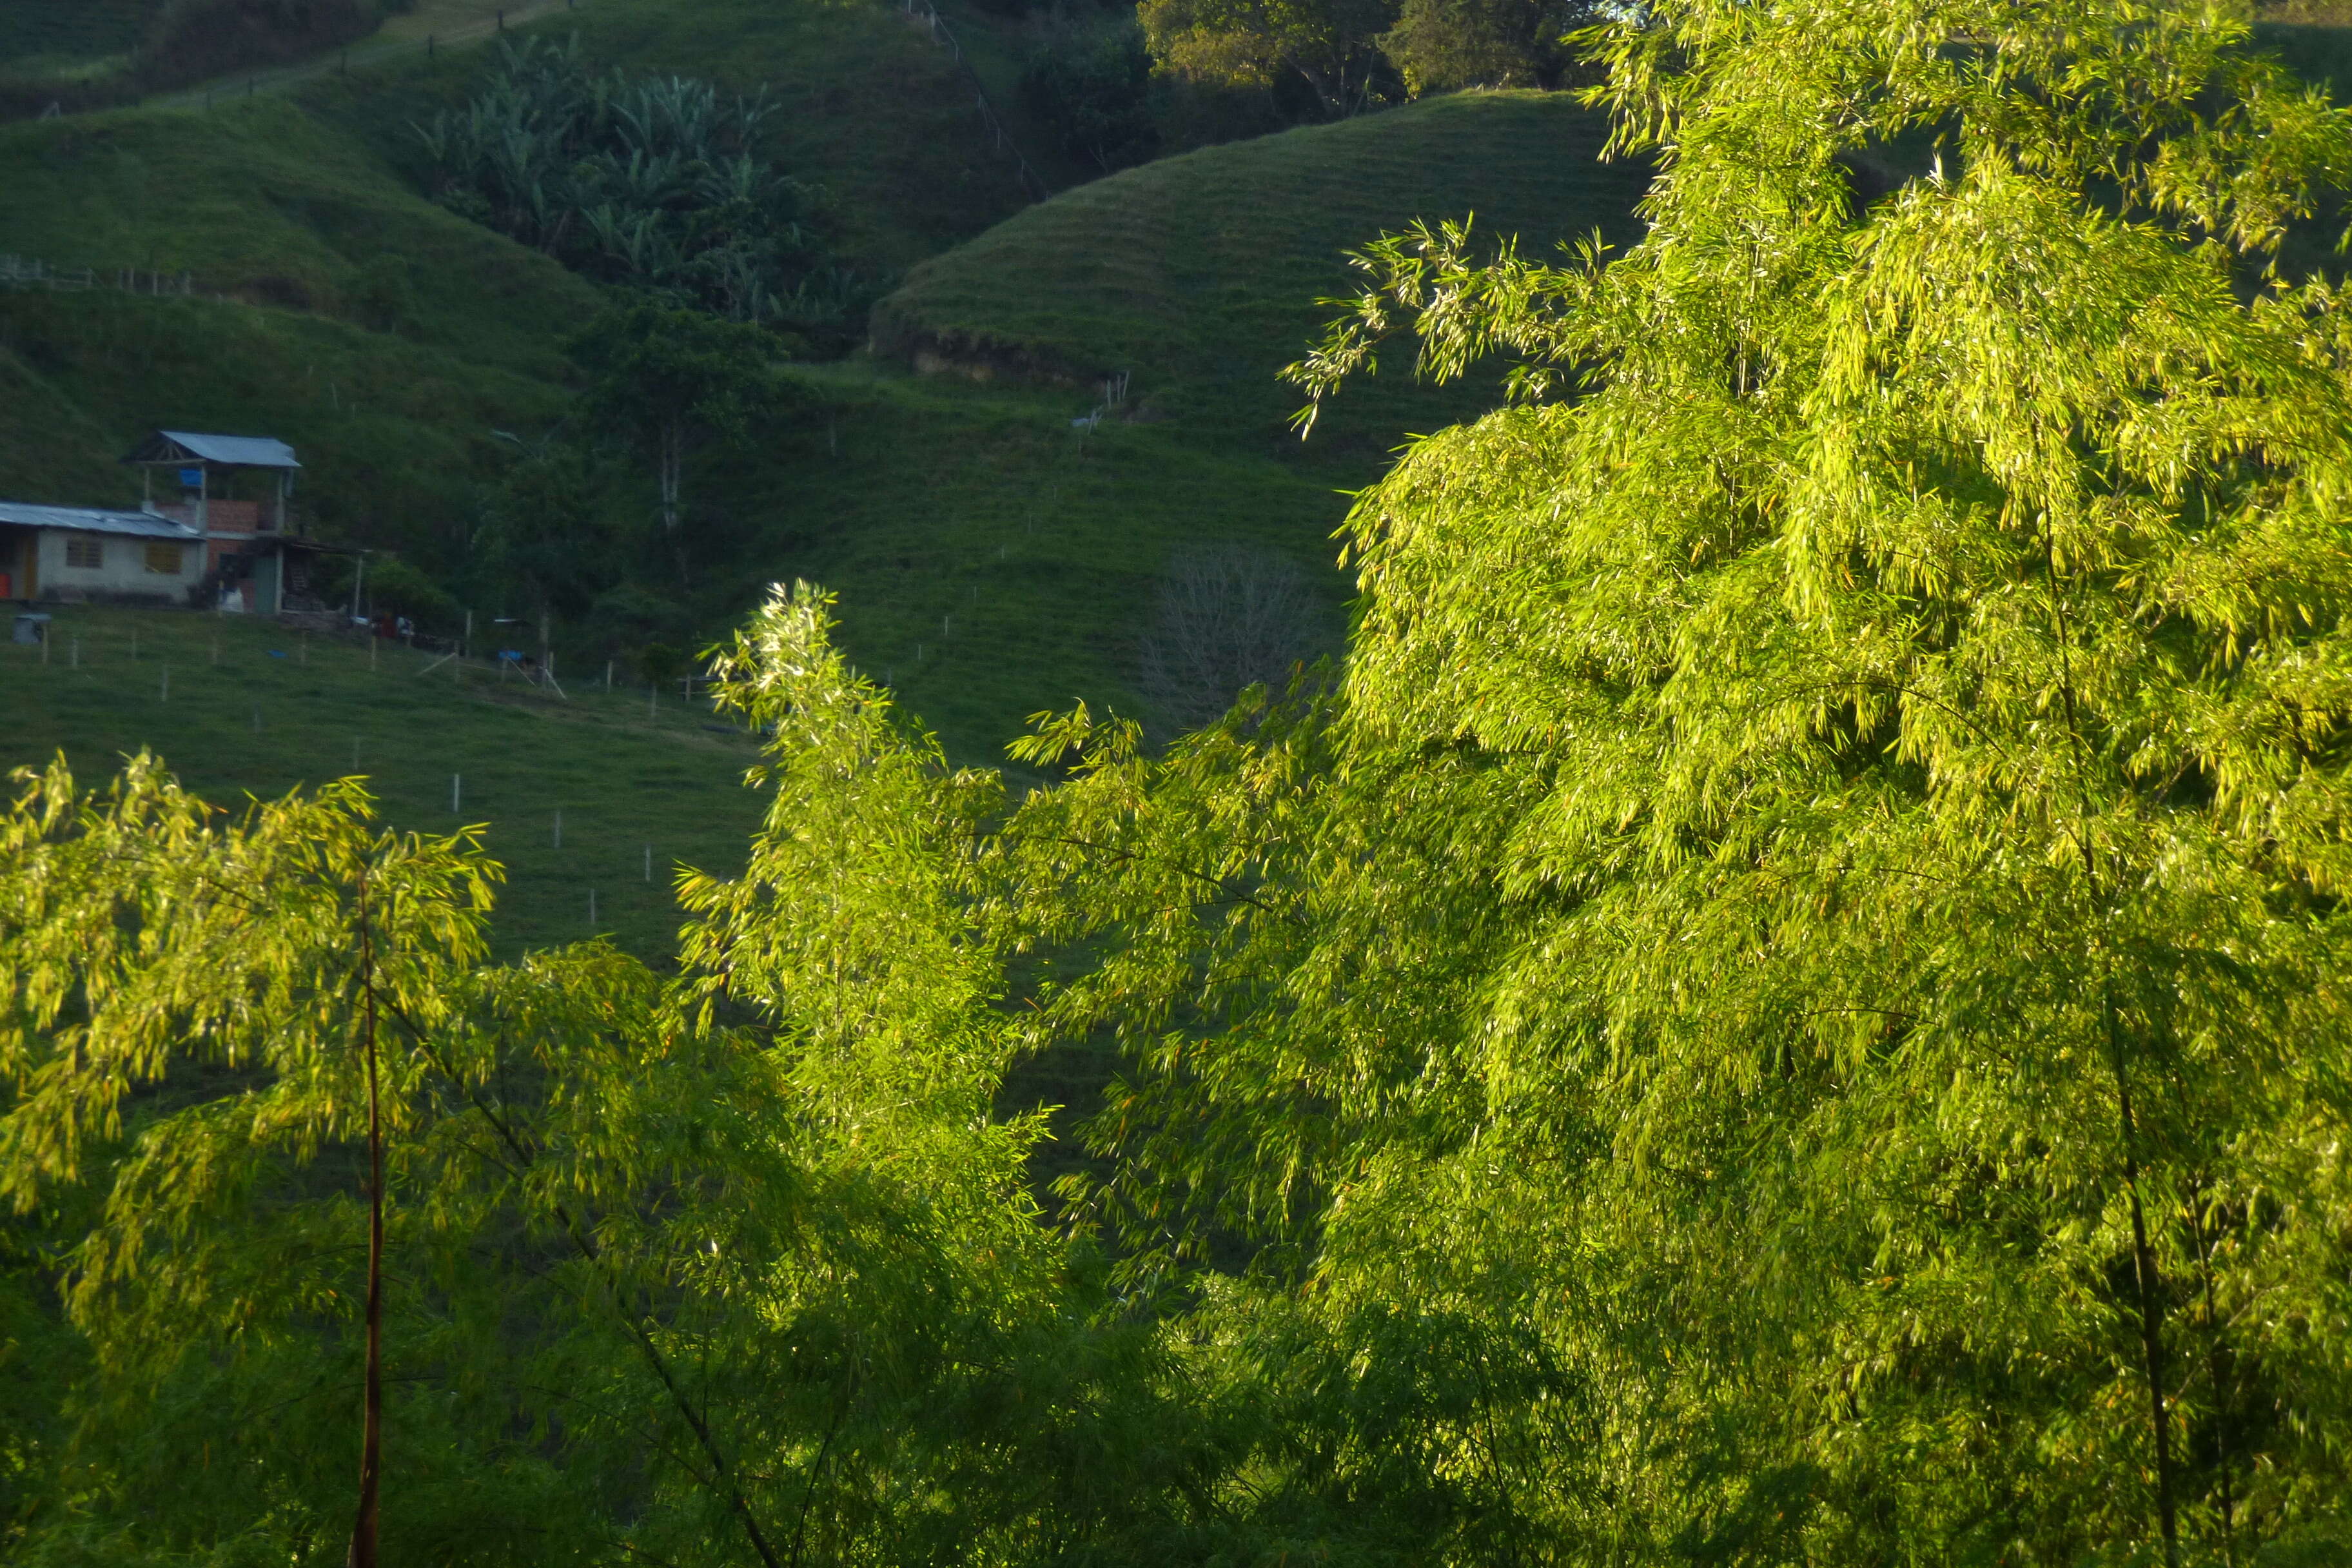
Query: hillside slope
[(332, 306), (335, 306), (991, 559), (872, 112), (241, 707), (1201, 275)]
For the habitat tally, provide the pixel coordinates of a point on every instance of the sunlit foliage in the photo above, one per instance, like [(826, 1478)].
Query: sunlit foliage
[(1785, 1003)]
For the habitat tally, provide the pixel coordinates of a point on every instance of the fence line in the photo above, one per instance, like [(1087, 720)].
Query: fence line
[(228, 88), (1032, 184), (27, 272)]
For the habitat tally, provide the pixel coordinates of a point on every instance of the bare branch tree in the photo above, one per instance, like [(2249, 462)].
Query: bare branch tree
[(1230, 616)]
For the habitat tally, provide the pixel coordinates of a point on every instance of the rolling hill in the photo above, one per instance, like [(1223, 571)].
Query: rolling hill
[(991, 559), (1201, 275)]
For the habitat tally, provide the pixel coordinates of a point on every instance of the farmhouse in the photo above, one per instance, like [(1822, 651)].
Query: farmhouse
[(222, 537), (79, 553), (234, 490)]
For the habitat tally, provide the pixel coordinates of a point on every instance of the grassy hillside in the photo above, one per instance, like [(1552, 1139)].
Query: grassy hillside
[(275, 711), (384, 337), (991, 560), (295, 215), (335, 306), (872, 112), (40, 36), (269, 206), (1199, 274)]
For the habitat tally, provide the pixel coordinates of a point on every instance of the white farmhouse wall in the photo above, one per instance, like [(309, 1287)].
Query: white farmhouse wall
[(123, 566)]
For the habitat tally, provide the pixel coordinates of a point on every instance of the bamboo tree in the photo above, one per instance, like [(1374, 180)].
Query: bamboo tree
[(363, 1532), (737, 1266), (1831, 825)]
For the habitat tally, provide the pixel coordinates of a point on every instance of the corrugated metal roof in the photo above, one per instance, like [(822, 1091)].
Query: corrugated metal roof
[(246, 451), (92, 520), (239, 452)]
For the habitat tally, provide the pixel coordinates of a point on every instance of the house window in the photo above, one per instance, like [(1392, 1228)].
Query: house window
[(86, 552), (163, 558)]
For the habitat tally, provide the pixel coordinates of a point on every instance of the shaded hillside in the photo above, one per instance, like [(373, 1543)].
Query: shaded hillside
[(872, 112), (62, 35), (1199, 275), (993, 560)]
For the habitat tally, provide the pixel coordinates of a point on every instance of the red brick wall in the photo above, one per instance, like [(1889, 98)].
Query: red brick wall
[(223, 516)]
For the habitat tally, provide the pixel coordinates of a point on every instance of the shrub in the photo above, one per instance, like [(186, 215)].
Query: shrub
[(1230, 617), (394, 587), (1093, 87), (1440, 46)]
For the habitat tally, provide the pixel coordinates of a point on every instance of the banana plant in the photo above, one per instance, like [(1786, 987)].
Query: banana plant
[(653, 182)]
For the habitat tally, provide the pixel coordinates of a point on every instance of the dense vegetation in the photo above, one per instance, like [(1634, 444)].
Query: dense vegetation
[(658, 183), (1784, 1004)]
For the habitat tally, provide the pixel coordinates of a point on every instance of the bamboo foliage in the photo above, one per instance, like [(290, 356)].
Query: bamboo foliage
[(1785, 1005), (1820, 900), (670, 1268)]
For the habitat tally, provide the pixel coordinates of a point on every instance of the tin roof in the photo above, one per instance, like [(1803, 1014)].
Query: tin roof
[(234, 451), (94, 520)]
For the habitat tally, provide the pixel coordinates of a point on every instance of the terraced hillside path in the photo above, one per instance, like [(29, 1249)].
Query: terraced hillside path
[(434, 24)]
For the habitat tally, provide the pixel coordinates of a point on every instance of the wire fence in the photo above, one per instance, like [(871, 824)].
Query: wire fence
[(30, 273), (341, 61), (1032, 184)]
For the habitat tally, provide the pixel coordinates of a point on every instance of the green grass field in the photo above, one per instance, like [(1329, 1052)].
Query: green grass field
[(1201, 275), (279, 712), (990, 561)]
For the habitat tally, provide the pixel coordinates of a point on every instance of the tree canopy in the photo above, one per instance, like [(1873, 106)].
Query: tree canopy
[(669, 381), (1783, 1005), (1327, 45)]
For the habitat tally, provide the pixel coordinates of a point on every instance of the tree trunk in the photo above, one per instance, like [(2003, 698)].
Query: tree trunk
[(672, 455), (2150, 1284), (363, 1530)]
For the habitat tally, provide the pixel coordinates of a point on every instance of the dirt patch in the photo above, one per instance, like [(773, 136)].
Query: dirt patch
[(977, 356)]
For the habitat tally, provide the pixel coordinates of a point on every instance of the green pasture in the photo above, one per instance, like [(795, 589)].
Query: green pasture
[(61, 37), (243, 707), (991, 560), (1202, 275)]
